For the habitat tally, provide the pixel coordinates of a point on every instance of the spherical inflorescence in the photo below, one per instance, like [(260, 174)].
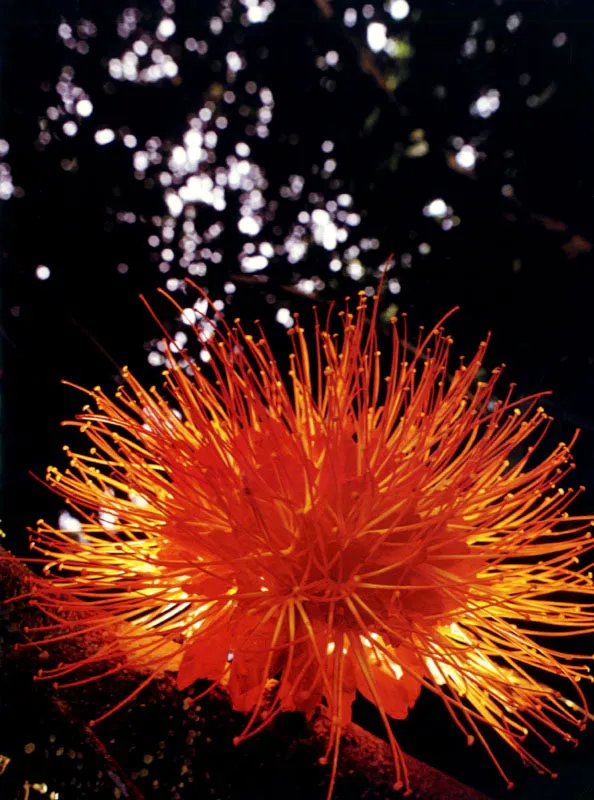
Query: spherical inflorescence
[(361, 527)]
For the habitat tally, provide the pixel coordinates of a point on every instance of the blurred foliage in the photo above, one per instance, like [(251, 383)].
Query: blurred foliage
[(482, 108)]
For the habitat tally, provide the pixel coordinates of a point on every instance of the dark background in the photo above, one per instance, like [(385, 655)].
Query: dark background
[(519, 266)]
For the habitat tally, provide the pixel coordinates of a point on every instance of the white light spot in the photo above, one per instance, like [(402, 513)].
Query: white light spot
[(201, 306), (377, 36), (560, 39), (170, 68), (513, 22), (115, 68), (84, 108), (42, 272), (256, 14), (174, 204), (141, 160), (138, 499), (469, 47), (104, 136), (4, 147), (486, 104), (466, 157), (140, 48), (332, 58), (70, 128), (283, 315), (178, 156), (216, 25), (399, 9), (233, 61), (107, 519), (249, 226), (6, 188), (166, 28), (436, 208), (210, 140), (66, 522), (253, 263), (355, 270), (188, 316), (350, 17), (306, 285)]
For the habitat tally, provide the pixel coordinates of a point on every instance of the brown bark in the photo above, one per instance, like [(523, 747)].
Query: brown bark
[(164, 744)]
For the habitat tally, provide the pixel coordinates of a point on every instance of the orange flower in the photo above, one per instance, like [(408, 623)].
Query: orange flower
[(368, 528)]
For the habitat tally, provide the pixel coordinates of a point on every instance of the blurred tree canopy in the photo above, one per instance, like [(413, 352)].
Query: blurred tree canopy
[(281, 151)]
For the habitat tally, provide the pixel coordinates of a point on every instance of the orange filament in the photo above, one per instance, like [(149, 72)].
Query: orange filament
[(357, 531)]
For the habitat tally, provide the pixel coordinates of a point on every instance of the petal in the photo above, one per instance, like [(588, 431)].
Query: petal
[(300, 688), (395, 695), (243, 701), (206, 659), (254, 660), (348, 691)]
